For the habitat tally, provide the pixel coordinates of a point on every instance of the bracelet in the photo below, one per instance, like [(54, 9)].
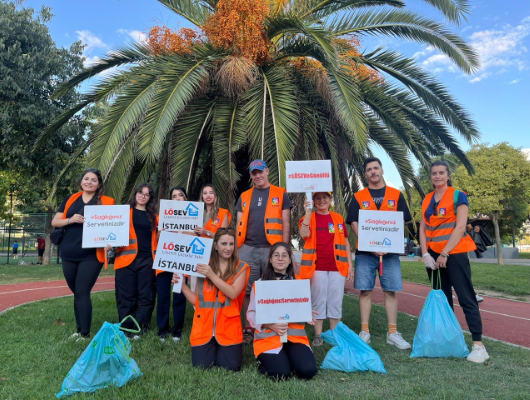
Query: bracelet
[(443, 254), (426, 254), (305, 225)]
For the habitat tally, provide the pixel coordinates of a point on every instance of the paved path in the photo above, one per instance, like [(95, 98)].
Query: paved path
[(22, 293), (506, 320)]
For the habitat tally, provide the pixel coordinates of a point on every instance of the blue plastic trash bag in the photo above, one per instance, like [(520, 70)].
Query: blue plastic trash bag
[(438, 333), (105, 362), (349, 353)]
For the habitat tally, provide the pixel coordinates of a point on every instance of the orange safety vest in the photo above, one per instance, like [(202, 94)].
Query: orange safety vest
[(268, 339), (309, 253), (212, 307), (273, 215), (105, 201), (214, 224), (126, 255), (390, 201), (439, 228)]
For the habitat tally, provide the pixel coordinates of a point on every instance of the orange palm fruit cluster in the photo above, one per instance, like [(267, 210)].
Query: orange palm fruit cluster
[(162, 40)]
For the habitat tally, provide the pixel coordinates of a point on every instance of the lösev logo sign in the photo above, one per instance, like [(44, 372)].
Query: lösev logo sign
[(177, 252), (381, 231), (308, 176), (180, 215), (106, 225)]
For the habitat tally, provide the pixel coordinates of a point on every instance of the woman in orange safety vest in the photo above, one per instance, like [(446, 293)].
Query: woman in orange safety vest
[(216, 335), (445, 245), (81, 267), (214, 216), (135, 277), (279, 360), (164, 292), (326, 260)]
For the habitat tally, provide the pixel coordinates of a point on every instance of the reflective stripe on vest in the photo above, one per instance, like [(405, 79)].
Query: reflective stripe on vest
[(439, 228), (290, 332), (273, 215)]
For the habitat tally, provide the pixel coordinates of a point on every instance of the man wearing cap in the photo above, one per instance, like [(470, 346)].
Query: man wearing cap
[(263, 219), (378, 196)]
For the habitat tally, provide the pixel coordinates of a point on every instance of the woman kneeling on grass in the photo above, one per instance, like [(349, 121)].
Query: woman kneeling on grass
[(279, 360), (217, 333)]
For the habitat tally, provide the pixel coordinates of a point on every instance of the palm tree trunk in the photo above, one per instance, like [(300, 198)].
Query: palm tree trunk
[(495, 219), (47, 230)]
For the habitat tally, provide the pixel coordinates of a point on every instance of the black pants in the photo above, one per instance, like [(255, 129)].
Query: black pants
[(457, 275), (81, 277), (135, 292), (213, 354), (294, 358), (163, 289)]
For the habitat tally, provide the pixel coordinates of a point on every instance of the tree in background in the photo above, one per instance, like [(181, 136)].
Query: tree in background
[(31, 68), (500, 187), (278, 80)]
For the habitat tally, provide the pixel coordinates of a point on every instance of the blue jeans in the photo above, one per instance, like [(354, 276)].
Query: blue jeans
[(366, 266)]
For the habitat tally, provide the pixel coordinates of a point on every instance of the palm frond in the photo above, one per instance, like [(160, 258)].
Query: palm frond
[(195, 11)]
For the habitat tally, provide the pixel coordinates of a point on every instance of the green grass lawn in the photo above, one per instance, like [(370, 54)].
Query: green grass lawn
[(513, 280), (524, 255), (35, 356), (31, 273)]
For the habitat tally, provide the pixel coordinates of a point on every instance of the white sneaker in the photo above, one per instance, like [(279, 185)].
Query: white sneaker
[(162, 340), (478, 354), (176, 339), (479, 298), (81, 339), (397, 340), (136, 337), (74, 335), (365, 336)]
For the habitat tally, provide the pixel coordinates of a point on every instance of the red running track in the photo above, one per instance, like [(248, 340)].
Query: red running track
[(505, 320), (22, 293)]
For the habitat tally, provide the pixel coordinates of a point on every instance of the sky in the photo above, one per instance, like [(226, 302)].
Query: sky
[(496, 96)]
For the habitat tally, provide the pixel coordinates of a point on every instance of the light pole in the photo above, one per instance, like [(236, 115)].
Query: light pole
[(10, 222)]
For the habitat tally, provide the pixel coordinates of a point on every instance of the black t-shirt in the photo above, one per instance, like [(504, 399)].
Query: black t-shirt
[(142, 227), (377, 195), (256, 216), (71, 245)]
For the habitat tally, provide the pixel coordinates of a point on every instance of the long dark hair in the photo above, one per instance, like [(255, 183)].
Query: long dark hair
[(215, 205), (96, 199), (233, 262), (269, 274), (440, 163), (150, 206), (179, 188)]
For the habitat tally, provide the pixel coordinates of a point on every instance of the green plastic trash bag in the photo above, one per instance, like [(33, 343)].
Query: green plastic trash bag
[(105, 362), (438, 333), (349, 353)]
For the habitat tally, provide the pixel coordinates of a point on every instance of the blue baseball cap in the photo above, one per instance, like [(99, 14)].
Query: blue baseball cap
[(258, 164)]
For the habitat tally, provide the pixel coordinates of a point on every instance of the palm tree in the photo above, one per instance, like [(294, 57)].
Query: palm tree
[(278, 80)]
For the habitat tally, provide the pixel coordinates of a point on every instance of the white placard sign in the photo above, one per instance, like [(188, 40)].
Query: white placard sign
[(106, 225), (308, 176), (178, 252), (381, 231), (180, 215), (283, 301)]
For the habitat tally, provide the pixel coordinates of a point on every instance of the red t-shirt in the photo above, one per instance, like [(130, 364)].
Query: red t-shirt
[(41, 243), (325, 232)]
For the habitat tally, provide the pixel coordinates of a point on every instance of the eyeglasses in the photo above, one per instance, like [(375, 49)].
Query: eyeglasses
[(277, 256), (144, 195)]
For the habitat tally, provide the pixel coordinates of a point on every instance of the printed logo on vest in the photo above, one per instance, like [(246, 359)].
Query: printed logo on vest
[(331, 227), (391, 203), (442, 212), (341, 228), (275, 200), (366, 204), (244, 205), (216, 221)]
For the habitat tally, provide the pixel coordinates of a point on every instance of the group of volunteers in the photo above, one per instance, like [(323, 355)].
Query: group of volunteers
[(259, 248)]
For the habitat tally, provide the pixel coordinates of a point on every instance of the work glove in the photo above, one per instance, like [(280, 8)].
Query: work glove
[(429, 261)]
